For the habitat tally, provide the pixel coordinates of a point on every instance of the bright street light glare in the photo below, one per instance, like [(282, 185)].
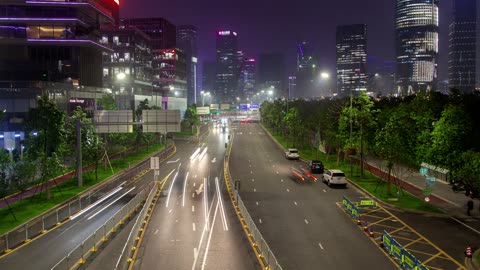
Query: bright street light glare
[(324, 75), (270, 92), (121, 76)]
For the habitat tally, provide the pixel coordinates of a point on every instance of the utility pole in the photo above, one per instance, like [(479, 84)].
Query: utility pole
[(79, 154)]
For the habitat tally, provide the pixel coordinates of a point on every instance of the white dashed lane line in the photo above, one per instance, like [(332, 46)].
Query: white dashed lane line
[(260, 220), (256, 203), (306, 221), (295, 203), (320, 245), (254, 190), (281, 180), (193, 208), (253, 180), (288, 190), (193, 226), (324, 190)]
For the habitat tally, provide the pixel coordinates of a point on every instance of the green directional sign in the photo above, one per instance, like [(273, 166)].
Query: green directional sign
[(423, 171)]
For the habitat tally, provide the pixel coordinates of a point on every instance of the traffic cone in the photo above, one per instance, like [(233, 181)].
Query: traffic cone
[(365, 226), (370, 232), (359, 221)]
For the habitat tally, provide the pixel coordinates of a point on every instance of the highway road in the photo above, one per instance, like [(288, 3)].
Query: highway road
[(300, 221), (193, 225), (49, 249)]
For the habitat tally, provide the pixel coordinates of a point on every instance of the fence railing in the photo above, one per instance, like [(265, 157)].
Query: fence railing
[(41, 224), (138, 228), (404, 258), (90, 245), (262, 250)]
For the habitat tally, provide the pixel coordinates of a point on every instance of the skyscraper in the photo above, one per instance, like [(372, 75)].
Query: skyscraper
[(161, 31), (187, 42), (248, 77), (416, 30), (271, 72), (227, 68), (306, 71), (462, 66), (351, 58)]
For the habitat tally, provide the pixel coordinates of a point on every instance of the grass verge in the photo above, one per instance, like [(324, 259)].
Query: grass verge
[(31, 207), (370, 182)]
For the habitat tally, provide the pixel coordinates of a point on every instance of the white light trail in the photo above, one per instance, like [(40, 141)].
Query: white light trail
[(222, 208), (111, 203), (194, 155), (203, 153), (97, 202), (184, 188), (171, 185)]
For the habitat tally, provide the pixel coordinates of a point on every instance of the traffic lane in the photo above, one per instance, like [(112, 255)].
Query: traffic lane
[(444, 232), (64, 238), (269, 197)]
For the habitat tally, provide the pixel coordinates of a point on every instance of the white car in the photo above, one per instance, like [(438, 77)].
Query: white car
[(292, 153), (334, 177)]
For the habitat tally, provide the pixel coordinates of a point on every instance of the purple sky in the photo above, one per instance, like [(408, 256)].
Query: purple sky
[(275, 26)]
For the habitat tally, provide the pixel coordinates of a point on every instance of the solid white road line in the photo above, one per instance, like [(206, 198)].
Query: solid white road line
[(184, 188), (193, 226), (97, 202), (306, 221), (110, 204), (320, 245)]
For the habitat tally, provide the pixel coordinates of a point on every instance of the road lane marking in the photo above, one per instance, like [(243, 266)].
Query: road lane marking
[(222, 208), (320, 245), (193, 208), (110, 204), (295, 203), (193, 195), (207, 248), (171, 185), (194, 155), (306, 221), (193, 226), (253, 180), (257, 203), (324, 190), (195, 176), (278, 173), (281, 180), (288, 190), (251, 172), (195, 254), (156, 231), (260, 220), (173, 161), (170, 211), (254, 190), (184, 189), (194, 184)]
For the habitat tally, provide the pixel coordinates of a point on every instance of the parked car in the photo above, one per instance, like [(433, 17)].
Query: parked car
[(334, 177), (292, 153), (316, 166)]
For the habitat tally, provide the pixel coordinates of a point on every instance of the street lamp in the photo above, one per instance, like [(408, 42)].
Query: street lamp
[(121, 76), (324, 76), (203, 96)]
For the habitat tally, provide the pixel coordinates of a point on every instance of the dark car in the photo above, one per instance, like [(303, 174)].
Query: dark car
[(316, 166)]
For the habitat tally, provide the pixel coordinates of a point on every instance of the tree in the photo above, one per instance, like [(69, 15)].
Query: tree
[(356, 123), (45, 136)]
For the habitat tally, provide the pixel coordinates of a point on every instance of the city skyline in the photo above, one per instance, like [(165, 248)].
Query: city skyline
[(317, 23)]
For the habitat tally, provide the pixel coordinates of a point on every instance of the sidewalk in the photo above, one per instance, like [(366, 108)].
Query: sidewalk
[(442, 194)]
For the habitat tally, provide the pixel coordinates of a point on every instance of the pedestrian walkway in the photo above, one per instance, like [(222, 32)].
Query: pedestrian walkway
[(443, 197)]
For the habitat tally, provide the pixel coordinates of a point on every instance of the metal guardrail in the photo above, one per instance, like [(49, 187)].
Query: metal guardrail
[(138, 228), (53, 218), (90, 245), (263, 251)]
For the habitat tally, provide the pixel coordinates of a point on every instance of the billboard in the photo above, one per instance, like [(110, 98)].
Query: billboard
[(113, 121), (214, 107), (161, 121), (203, 110), (224, 106)]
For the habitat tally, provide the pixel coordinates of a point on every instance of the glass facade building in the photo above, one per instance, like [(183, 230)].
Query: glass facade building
[(351, 51), (306, 71), (463, 54), (187, 42), (227, 67), (249, 72), (416, 31), (162, 32), (54, 40)]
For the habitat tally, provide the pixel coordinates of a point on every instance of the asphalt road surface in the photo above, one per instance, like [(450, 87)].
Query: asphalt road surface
[(193, 225), (49, 249), (300, 221)]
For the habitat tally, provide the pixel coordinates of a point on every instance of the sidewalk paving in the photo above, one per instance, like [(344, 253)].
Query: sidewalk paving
[(454, 203)]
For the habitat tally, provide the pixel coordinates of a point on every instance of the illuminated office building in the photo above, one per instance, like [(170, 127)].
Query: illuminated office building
[(187, 42), (416, 30), (248, 77), (351, 46), (227, 68), (306, 71), (462, 66), (54, 40)]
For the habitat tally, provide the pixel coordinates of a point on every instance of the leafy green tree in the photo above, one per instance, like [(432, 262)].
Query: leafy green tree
[(108, 102), (356, 123), (449, 137), (48, 123)]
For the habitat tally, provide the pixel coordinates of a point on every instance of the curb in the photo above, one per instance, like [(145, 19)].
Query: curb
[(473, 264)]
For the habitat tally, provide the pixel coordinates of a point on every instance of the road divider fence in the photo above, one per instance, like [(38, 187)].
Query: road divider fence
[(262, 251), (400, 254), (39, 225), (90, 245)]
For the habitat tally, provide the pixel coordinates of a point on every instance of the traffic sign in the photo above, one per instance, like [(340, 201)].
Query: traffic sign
[(423, 171)]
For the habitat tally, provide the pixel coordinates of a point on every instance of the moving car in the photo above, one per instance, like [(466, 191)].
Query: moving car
[(308, 175), (316, 166), (292, 153), (297, 175), (334, 177)]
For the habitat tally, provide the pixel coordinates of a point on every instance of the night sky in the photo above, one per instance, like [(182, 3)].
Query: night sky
[(275, 26)]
